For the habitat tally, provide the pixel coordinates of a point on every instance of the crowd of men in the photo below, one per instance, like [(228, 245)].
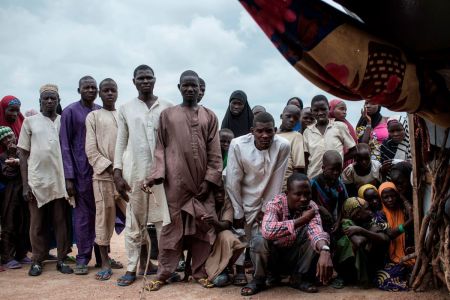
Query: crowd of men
[(314, 202)]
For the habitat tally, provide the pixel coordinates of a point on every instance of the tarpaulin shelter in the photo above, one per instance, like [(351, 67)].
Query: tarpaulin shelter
[(392, 53)]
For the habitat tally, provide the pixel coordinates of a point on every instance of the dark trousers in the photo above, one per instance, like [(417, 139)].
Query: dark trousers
[(297, 260), (54, 213), (15, 221), (168, 258)]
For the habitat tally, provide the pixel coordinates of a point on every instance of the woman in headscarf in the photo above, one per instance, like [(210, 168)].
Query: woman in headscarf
[(398, 214), (338, 111), (239, 116), (10, 114), (372, 128)]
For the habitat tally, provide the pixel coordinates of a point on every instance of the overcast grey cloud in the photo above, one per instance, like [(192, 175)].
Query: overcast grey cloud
[(60, 41)]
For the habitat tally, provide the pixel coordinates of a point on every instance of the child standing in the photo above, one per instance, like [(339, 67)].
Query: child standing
[(14, 211), (296, 163)]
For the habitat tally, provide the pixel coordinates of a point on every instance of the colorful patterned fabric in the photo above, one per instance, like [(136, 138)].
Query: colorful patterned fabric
[(364, 188), (351, 205), (392, 278), (335, 53)]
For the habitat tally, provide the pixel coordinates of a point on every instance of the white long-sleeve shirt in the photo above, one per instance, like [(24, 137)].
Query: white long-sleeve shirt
[(135, 147), (254, 177)]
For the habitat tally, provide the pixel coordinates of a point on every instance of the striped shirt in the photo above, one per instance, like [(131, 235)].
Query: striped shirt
[(278, 224)]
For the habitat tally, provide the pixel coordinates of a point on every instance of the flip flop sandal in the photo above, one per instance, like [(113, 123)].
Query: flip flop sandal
[(13, 264), (252, 288), (221, 280), (240, 279), (103, 274), (149, 272), (126, 280), (154, 285), (204, 282), (115, 264), (80, 269)]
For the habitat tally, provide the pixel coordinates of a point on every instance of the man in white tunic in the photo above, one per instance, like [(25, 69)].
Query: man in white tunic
[(255, 171), (43, 181), (101, 135), (136, 141)]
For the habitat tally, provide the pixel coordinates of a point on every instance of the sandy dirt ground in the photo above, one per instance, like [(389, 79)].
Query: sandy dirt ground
[(16, 284)]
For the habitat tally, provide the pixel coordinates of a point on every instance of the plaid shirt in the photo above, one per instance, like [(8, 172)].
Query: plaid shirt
[(279, 227)]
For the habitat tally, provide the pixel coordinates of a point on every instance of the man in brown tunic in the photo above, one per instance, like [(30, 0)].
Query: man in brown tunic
[(188, 161)]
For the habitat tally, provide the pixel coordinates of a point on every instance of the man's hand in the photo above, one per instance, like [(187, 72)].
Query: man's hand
[(122, 186), (27, 194), (324, 267), (352, 230), (204, 191), (308, 215), (209, 219), (70, 187)]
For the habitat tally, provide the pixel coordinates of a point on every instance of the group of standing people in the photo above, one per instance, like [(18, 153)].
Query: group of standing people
[(311, 200)]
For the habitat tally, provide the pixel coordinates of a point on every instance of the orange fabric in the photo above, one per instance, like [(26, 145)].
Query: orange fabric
[(386, 185), (397, 246)]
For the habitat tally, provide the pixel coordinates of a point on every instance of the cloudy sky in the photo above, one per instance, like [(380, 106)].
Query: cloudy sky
[(59, 41)]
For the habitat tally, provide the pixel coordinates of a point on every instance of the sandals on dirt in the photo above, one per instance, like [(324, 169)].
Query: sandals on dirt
[(222, 280), (304, 286), (80, 269), (13, 264), (154, 285), (126, 280), (204, 282), (240, 279), (252, 288), (115, 264), (103, 275)]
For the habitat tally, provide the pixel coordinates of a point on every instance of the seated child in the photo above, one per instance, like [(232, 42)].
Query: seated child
[(362, 171), (15, 216), (227, 246), (399, 218), (360, 252), (369, 193)]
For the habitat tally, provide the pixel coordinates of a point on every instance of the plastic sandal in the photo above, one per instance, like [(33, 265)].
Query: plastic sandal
[(154, 285), (204, 282), (103, 274), (80, 269), (115, 264), (13, 264), (252, 288), (126, 280)]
